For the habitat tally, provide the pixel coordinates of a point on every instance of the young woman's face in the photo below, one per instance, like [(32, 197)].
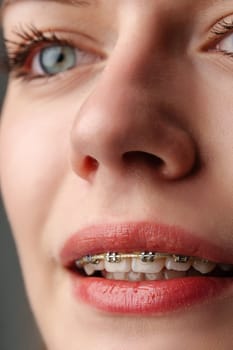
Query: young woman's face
[(117, 136)]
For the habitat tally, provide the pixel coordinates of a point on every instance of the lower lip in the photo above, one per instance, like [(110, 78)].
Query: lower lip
[(148, 297)]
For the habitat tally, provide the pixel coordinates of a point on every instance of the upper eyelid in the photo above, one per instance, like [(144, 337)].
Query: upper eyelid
[(51, 35), (81, 40), (225, 20), (25, 38), (222, 27)]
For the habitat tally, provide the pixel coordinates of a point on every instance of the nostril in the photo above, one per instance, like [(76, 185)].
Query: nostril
[(142, 158), (170, 168), (88, 167), (90, 164)]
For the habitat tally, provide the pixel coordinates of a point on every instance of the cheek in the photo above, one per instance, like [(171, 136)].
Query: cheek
[(213, 122), (33, 164)]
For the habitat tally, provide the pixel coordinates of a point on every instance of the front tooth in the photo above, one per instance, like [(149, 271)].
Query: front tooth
[(135, 276), (121, 276), (154, 276), (203, 266), (172, 265), (108, 275), (123, 266), (170, 274), (89, 269), (147, 267)]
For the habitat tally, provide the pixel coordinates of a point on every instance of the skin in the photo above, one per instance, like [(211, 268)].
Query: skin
[(74, 152)]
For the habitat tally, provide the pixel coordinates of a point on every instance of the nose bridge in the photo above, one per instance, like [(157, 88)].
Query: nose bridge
[(115, 113), (125, 96), (115, 109)]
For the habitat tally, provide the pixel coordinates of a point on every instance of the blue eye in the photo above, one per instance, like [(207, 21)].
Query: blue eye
[(38, 54), (56, 59)]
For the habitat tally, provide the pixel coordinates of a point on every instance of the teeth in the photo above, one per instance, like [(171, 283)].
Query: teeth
[(170, 274), (108, 275), (203, 266), (178, 266), (147, 267), (154, 276), (89, 269), (135, 276), (119, 276), (123, 266)]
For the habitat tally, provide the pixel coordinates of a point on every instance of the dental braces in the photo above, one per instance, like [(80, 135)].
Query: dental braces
[(114, 257)]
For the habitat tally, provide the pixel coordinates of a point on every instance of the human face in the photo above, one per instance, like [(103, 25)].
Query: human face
[(125, 145)]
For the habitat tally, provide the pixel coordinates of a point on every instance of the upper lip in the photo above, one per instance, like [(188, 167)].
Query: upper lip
[(140, 236)]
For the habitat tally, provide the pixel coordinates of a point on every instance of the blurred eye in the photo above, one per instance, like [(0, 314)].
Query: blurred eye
[(55, 59), (226, 44)]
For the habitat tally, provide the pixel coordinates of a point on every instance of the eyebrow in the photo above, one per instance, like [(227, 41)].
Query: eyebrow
[(77, 3)]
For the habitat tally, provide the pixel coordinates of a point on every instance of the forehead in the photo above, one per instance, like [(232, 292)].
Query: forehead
[(89, 2), (78, 2), (179, 6), (6, 3)]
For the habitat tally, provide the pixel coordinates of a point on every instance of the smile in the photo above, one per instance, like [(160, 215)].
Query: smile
[(139, 266)]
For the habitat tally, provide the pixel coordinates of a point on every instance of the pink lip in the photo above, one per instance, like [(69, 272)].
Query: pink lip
[(129, 237), (144, 297)]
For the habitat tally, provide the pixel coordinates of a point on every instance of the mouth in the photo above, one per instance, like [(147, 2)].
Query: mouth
[(136, 268)]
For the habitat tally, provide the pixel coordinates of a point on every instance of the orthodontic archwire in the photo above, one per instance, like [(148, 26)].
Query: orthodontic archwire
[(114, 257)]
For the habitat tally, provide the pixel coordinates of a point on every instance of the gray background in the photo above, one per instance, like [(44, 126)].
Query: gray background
[(17, 327)]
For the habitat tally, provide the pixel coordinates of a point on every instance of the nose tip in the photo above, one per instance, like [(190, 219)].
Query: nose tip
[(118, 135)]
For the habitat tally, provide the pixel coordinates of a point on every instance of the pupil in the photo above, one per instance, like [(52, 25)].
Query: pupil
[(57, 59), (60, 58)]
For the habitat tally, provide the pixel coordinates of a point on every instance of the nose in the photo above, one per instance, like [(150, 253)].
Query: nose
[(121, 125)]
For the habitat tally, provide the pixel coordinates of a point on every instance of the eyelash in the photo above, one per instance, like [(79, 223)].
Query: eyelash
[(222, 27), (220, 30), (31, 38)]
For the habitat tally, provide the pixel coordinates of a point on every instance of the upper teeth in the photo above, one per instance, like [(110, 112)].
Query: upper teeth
[(138, 266), (143, 262)]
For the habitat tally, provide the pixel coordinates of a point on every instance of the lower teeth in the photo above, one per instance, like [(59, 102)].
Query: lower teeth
[(137, 276)]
